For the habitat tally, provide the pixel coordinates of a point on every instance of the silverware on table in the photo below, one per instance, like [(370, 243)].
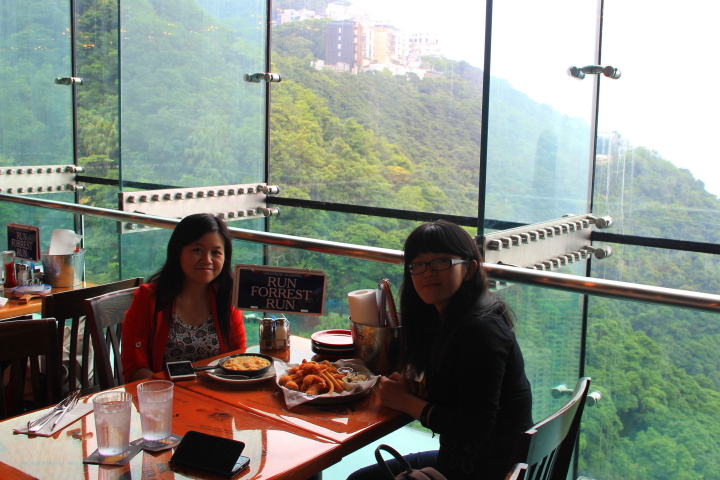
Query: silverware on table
[(67, 408), (39, 422)]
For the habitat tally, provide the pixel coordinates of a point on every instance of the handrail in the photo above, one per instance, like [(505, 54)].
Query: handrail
[(557, 281)]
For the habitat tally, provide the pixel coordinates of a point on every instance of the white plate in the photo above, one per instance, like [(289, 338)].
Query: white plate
[(242, 381)]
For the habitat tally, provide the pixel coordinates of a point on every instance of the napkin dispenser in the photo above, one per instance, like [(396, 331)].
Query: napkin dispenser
[(274, 333)]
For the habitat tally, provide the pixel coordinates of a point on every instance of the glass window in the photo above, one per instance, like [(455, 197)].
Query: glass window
[(36, 125), (388, 126), (540, 118), (658, 124), (188, 116)]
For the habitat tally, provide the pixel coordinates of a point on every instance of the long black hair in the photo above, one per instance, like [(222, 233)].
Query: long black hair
[(170, 277), (422, 323)]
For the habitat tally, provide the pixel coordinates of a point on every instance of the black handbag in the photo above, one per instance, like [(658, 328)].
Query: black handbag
[(427, 473)]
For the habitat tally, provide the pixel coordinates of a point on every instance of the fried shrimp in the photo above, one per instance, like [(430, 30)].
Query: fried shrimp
[(313, 378)]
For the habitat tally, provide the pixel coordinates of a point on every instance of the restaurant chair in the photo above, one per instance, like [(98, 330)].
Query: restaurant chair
[(70, 305), (518, 472), (23, 342), (547, 447), (105, 314), (19, 317)]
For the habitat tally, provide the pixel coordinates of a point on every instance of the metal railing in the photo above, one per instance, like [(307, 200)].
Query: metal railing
[(557, 281)]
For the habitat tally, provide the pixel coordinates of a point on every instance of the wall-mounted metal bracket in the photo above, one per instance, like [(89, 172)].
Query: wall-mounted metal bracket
[(40, 179), (69, 81), (258, 77), (548, 245), (229, 202), (592, 398), (608, 71)]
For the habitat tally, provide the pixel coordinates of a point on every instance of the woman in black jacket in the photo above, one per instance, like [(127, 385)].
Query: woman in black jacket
[(463, 371)]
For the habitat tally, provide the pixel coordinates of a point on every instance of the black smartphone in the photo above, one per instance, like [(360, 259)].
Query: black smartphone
[(210, 453), (182, 370)]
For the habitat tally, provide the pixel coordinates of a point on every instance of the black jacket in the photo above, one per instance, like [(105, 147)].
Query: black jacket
[(482, 398)]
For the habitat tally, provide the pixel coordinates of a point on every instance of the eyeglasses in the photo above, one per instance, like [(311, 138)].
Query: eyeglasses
[(438, 265)]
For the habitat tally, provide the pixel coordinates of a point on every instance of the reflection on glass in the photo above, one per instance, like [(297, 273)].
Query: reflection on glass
[(656, 150), (658, 370), (36, 126), (380, 104), (188, 116), (344, 274), (548, 325), (540, 118)]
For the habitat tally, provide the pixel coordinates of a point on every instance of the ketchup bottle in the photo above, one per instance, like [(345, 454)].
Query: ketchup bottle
[(9, 269)]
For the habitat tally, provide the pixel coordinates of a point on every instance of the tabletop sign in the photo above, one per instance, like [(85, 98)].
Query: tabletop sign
[(24, 240), (277, 289)]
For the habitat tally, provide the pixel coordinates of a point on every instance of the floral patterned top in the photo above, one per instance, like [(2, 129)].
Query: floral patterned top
[(187, 342)]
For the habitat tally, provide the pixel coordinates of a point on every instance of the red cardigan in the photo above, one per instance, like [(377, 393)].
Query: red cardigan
[(144, 337)]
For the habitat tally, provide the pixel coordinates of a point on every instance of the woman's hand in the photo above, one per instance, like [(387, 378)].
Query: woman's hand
[(418, 389), (399, 393)]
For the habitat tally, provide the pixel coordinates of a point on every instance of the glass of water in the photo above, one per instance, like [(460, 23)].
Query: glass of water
[(112, 424), (156, 400)]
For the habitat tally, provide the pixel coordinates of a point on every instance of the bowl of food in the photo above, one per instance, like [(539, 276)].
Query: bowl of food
[(247, 364)]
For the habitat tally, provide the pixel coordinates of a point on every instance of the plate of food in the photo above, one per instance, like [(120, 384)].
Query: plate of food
[(321, 382), (220, 374)]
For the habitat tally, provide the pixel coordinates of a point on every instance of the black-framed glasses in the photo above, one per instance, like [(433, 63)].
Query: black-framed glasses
[(438, 265)]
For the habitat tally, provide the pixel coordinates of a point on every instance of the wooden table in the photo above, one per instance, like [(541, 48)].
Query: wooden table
[(13, 307), (353, 425), (282, 443), (276, 450)]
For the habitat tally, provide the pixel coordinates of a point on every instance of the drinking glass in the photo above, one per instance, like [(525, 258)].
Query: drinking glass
[(112, 424), (156, 400)]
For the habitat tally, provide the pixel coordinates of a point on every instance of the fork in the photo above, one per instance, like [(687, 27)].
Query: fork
[(71, 404), (37, 423)]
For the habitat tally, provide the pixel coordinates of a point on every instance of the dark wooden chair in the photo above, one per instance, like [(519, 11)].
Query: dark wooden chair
[(547, 448), (19, 317), (105, 314), (70, 305), (518, 472), (23, 341)]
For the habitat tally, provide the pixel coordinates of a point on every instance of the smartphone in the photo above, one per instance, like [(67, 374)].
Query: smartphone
[(182, 370), (211, 454)]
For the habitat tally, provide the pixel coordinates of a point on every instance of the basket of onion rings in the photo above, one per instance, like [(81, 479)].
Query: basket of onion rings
[(322, 383)]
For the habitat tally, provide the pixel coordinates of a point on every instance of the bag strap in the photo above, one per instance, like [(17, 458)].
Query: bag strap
[(383, 466), (387, 318)]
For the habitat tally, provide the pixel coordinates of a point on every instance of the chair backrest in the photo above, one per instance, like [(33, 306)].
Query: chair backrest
[(518, 472), (547, 448), (70, 305), (23, 342), (19, 317), (105, 314)]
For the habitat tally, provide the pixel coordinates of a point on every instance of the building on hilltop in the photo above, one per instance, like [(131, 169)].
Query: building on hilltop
[(290, 15), (349, 43)]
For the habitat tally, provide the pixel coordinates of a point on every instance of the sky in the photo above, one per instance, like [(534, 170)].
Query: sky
[(665, 98)]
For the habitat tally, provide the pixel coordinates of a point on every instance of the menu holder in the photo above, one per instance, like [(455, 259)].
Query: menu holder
[(24, 240)]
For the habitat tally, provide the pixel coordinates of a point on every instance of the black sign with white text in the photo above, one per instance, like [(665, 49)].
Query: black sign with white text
[(24, 240), (275, 289)]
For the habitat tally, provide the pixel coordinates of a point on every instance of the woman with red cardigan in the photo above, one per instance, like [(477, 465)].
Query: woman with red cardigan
[(184, 312)]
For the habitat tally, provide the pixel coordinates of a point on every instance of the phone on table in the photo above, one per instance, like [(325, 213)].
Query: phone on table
[(182, 370), (211, 454)]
